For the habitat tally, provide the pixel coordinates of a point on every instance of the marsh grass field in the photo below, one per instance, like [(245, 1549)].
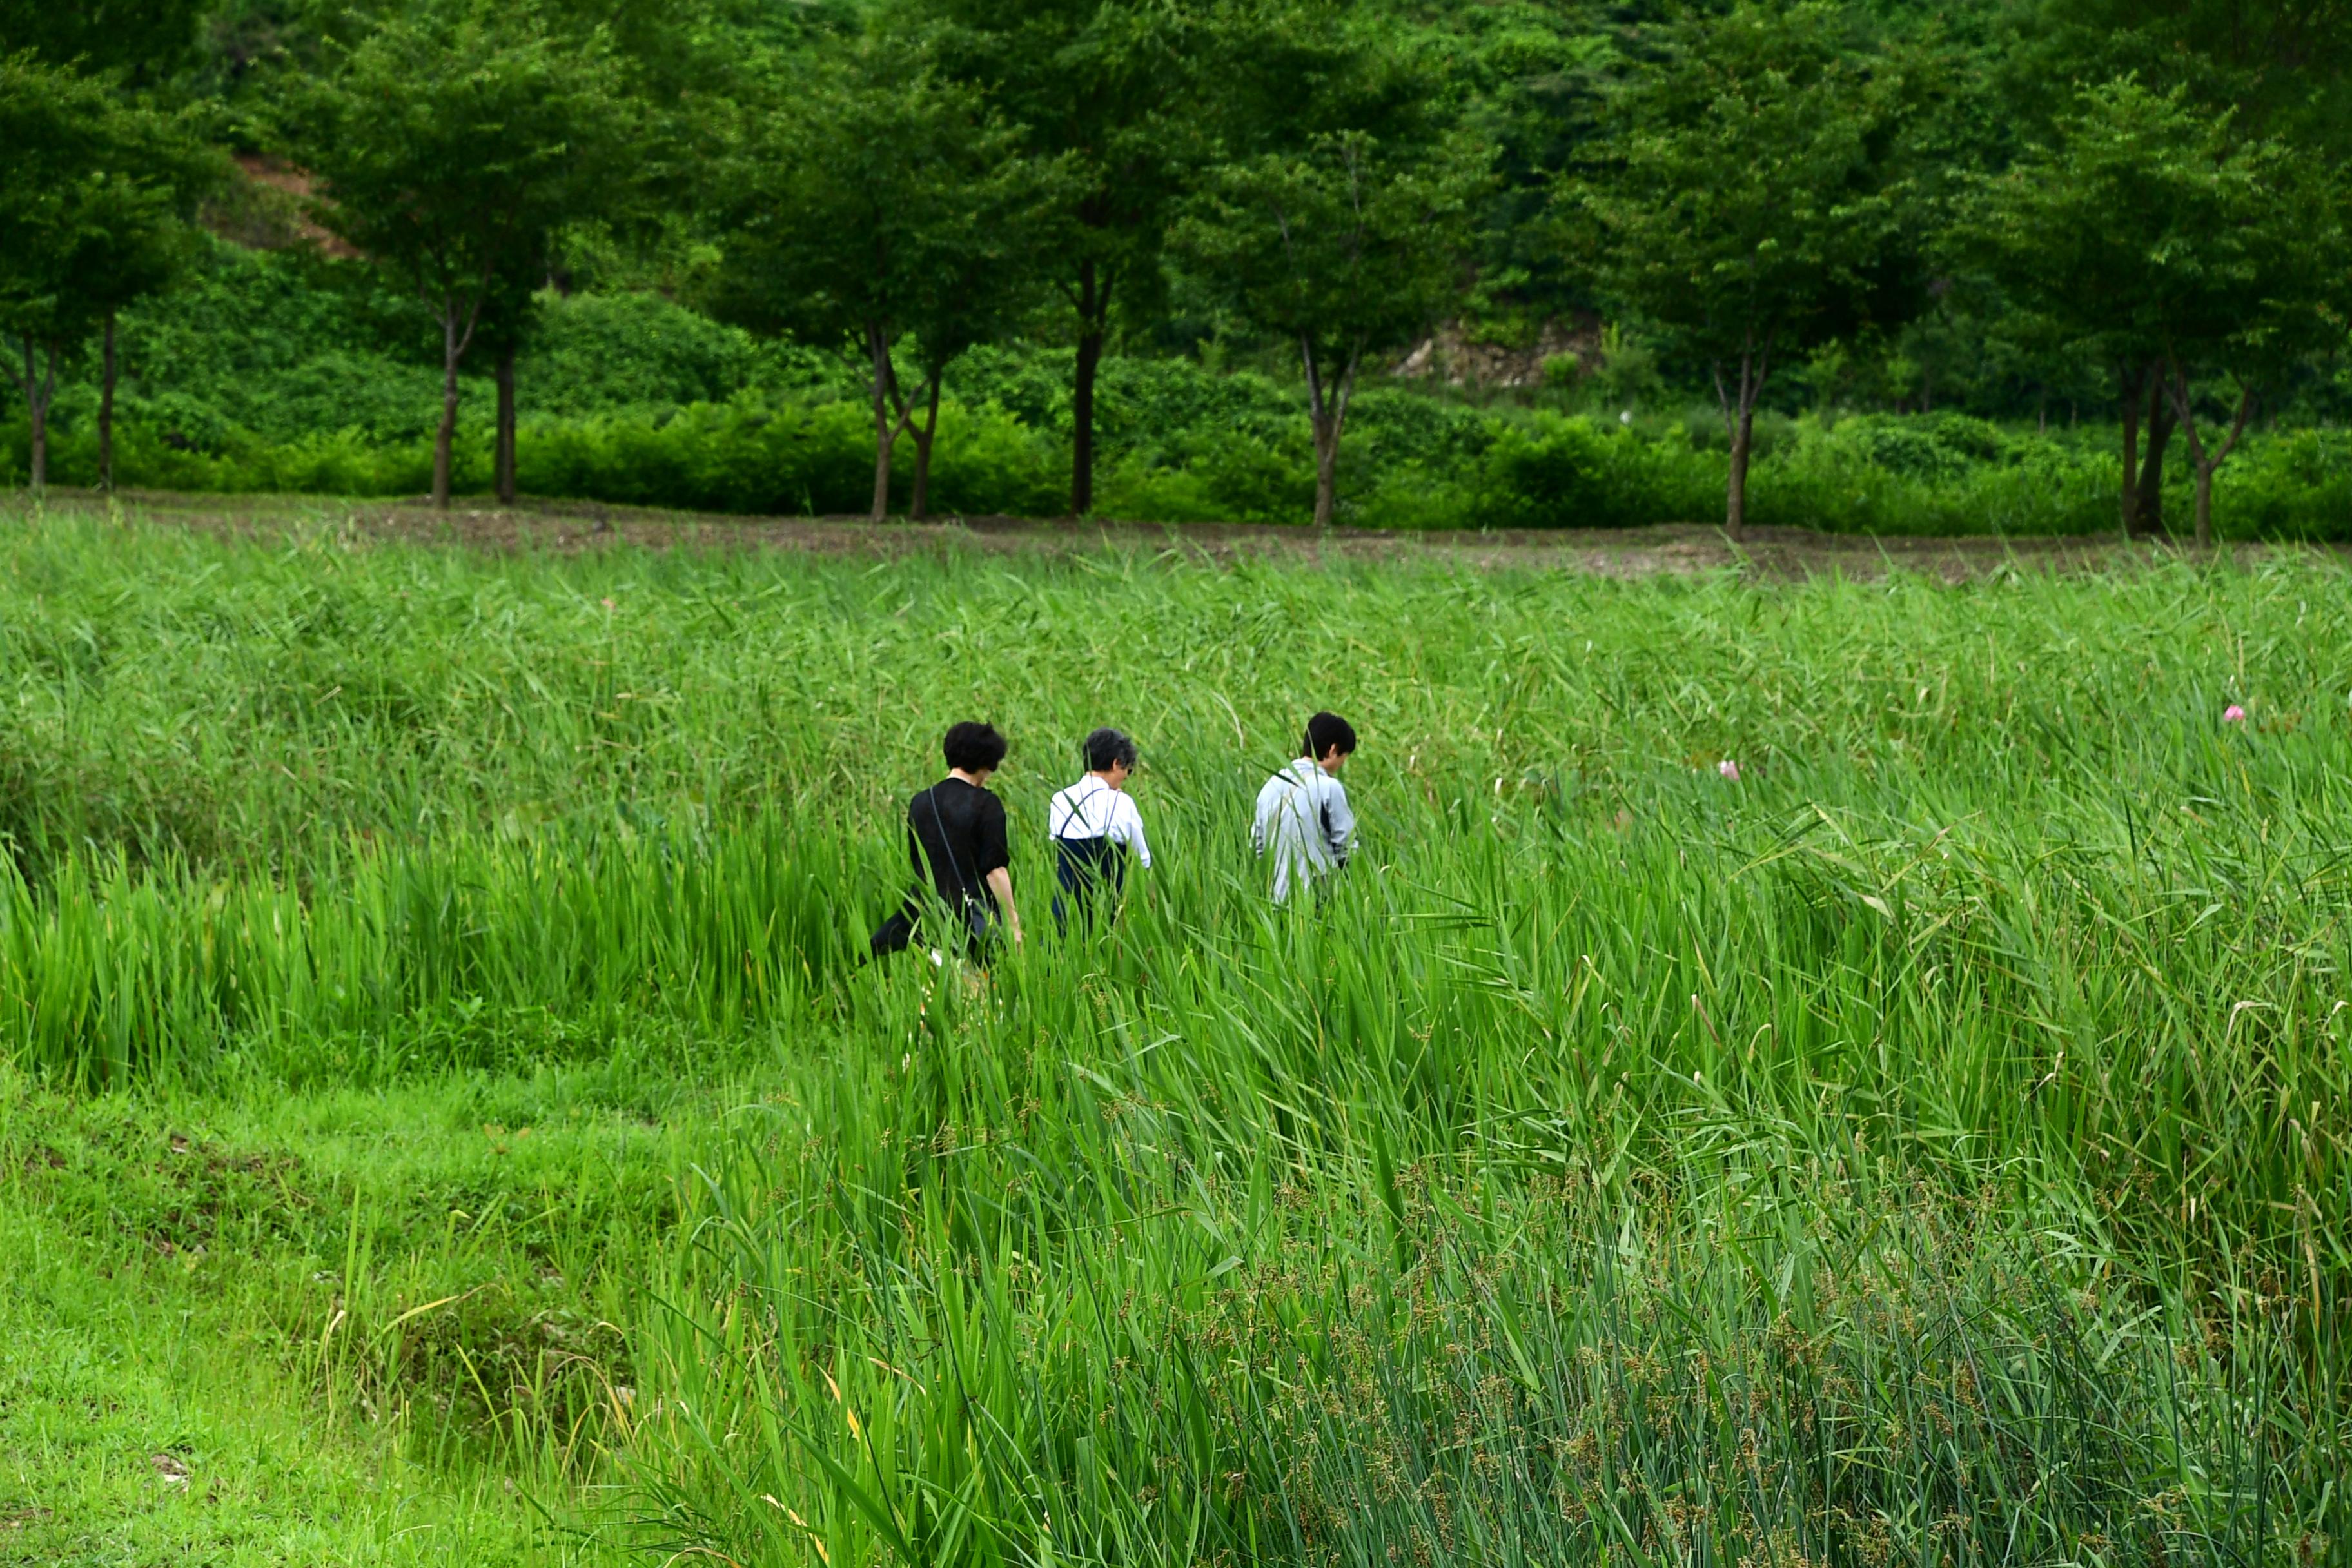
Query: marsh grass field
[(445, 1116)]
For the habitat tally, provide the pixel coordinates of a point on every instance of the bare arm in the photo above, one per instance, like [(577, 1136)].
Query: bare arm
[(1000, 882)]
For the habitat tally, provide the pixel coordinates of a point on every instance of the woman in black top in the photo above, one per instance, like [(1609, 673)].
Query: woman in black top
[(956, 841)]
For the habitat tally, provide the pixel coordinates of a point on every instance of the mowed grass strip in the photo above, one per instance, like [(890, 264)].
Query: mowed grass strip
[(1923, 1146)]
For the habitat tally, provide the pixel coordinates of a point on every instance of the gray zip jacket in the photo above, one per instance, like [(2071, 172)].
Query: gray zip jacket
[(1303, 818)]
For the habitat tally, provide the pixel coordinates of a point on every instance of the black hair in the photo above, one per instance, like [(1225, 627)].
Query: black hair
[(1107, 748), (974, 748), (1326, 731)]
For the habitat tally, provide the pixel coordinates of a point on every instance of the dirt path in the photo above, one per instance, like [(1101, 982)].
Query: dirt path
[(571, 526)]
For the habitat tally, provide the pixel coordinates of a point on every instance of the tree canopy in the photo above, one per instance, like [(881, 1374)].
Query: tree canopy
[(2148, 232), (1113, 88), (1335, 220), (450, 143), (1749, 196), (1998, 205), (93, 192), (874, 205), (143, 40)]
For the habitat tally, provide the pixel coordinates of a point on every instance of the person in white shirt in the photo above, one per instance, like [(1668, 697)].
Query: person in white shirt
[(1095, 826), (1303, 817)]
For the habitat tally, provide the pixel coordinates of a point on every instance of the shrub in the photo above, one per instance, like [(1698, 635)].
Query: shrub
[(593, 353), (987, 461), (1551, 473), (741, 457), (2296, 485)]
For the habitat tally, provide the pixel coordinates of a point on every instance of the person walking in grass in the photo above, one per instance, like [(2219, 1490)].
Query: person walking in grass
[(1095, 827), (956, 841), (1303, 818)]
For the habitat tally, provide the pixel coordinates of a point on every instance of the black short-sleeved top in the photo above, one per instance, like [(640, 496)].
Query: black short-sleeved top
[(958, 829)]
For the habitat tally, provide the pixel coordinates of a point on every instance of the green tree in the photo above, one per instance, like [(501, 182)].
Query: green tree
[(2264, 288), (141, 40), (139, 235), (508, 319), (2282, 67), (450, 144), (1746, 198), (47, 118), (1345, 245), (873, 205), (1108, 89), (2147, 232), (91, 197)]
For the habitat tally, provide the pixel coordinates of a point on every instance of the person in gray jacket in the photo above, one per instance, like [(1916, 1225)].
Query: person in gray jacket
[(1303, 817)]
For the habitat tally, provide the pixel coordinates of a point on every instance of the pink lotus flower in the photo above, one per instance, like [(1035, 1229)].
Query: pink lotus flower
[(2233, 714), (1728, 769)]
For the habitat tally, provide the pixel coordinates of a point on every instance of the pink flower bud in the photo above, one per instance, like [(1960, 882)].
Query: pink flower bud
[(2233, 714), (1728, 769)]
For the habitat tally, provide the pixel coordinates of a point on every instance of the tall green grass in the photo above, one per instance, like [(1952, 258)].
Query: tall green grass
[(975, 1362), (110, 974), (1925, 1148)]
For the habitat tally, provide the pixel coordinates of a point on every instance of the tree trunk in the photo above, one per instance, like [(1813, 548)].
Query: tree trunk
[(1735, 508), (106, 410), (445, 439), (455, 341), (885, 430), (38, 390), (1094, 324), (2128, 416), (2161, 421), (920, 505), (1327, 469), (1739, 417), (1326, 413), (2204, 463), (503, 462)]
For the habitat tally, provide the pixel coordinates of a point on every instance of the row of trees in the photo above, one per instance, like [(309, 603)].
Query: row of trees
[(1777, 184), (1751, 184), (94, 198)]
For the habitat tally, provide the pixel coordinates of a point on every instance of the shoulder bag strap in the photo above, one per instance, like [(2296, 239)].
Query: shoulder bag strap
[(954, 860)]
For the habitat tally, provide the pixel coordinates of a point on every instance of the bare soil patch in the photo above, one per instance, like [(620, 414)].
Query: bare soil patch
[(1683, 548)]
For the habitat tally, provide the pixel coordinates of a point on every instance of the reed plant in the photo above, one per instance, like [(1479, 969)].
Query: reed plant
[(1828, 1073)]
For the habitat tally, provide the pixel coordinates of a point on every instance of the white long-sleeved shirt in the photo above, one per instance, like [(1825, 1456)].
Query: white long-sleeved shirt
[(1303, 818), (1090, 808)]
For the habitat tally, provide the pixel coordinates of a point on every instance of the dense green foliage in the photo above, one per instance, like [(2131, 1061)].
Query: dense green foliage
[(274, 373), (93, 196), (876, 205), (1749, 203), (1926, 1142), (450, 145), (2133, 215)]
